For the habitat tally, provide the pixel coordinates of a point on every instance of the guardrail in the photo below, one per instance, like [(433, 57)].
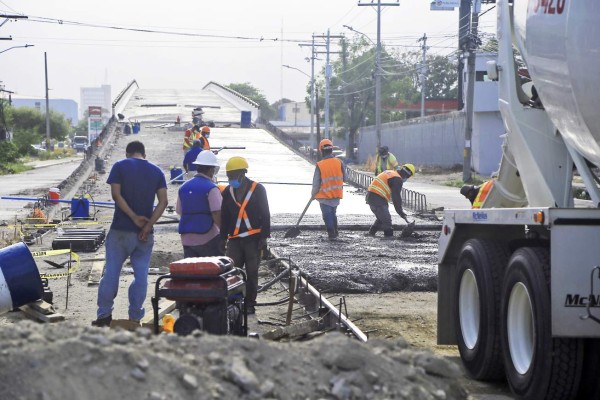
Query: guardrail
[(122, 94)]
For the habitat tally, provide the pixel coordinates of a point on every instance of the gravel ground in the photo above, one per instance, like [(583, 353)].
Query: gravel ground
[(71, 360)]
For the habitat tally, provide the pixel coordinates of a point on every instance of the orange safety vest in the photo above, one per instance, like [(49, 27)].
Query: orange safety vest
[(482, 194), (381, 186), (187, 139), (332, 179), (243, 215)]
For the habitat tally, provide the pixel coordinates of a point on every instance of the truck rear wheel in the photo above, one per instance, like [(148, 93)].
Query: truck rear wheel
[(537, 366), (480, 268)]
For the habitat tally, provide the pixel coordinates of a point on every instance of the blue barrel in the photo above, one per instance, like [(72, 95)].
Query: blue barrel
[(177, 172), (20, 281), (80, 208), (136, 128), (246, 121)]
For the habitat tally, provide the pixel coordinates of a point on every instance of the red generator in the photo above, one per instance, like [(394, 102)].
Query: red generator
[(209, 294)]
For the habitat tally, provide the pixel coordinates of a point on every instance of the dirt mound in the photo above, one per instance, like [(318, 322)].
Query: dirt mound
[(66, 361)]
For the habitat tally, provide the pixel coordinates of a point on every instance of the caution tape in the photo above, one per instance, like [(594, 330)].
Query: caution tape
[(74, 265)]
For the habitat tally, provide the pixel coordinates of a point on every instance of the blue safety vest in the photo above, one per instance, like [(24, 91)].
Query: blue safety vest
[(196, 216)]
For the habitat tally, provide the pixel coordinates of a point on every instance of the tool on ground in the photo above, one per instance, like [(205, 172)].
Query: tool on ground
[(295, 231), (218, 149), (410, 228)]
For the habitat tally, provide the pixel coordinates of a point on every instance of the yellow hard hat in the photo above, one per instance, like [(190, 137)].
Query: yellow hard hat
[(236, 163), (407, 168)]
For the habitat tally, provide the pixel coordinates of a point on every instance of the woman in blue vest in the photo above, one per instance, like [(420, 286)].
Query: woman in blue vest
[(199, 204)]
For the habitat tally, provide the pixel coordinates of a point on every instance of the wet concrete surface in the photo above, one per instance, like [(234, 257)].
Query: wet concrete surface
[(355, 263)]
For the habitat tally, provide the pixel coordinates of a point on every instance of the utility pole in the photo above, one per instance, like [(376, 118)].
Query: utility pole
[(313, 57), (7, 18), (463, 38), (378, 67), (350, 136), (328, 73), (48, 146), (423, 72), (472, 46)]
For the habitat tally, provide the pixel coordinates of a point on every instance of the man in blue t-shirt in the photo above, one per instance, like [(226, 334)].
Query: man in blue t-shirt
[(191, 156), (134, 182)]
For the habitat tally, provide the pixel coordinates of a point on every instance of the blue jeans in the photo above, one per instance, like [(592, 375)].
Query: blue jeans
[(329, 216), (119, 246)]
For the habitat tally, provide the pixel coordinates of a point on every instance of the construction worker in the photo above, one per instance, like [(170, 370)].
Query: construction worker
[(187, 140), (384, 160), (477, 194), (134, 184), (328, 182), (199, 204), (245, 223), (387, 187), (191, 156), (203, 136)]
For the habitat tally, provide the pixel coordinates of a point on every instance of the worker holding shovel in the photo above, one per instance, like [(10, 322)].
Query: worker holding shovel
[(328, 186), (387, 187)]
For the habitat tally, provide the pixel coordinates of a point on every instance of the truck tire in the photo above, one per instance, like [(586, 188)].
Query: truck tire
[(537, 365), (589, 387), (481, 265)]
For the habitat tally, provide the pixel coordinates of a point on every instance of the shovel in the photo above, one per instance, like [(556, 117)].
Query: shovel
[(410, 228), (295, 231)]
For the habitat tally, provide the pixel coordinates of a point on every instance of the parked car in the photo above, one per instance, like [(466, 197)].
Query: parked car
[(80, 143)]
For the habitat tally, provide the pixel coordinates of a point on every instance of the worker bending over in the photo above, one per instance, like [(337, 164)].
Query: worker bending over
[(199, 204), (384, 160), (245, 223), (328, 186), (387, 187), (477, 194)]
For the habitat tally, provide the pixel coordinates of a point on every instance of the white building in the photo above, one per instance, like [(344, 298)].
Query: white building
[(96, 96)]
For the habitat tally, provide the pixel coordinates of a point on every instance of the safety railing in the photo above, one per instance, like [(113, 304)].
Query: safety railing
[(410, 199)]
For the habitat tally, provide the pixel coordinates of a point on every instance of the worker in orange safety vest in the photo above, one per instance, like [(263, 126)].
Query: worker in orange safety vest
[(245, 223), (386, 188), (187, 140), (477, 194), (203, 136), (328, 183)]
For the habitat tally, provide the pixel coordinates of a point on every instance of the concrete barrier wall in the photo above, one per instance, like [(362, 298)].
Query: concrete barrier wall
[(122, 98), (437, 140), (236, 99)]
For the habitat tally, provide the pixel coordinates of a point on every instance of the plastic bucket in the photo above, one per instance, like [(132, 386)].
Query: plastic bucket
[(80, 208), (54, 195), (99, 164), (246, 121), (175, 172), (20, 281)]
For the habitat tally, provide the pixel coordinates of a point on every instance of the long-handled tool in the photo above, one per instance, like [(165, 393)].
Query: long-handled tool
[(295, 231)]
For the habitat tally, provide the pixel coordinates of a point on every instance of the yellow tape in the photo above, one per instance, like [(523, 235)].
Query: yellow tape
[(73, 267)]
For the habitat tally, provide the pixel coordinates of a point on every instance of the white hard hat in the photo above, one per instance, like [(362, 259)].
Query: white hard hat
[(206, 157)]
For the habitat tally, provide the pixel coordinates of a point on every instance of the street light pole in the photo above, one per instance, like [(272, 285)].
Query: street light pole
[(48, 146), (16, 47), (378, 68)]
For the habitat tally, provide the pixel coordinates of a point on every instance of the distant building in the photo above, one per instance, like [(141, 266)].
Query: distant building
[(294, 113), (96, 96), (67, 107)]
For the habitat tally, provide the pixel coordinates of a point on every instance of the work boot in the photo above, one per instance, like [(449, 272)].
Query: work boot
[(388, 234), (372, 232), (331, 233), (102, 322)]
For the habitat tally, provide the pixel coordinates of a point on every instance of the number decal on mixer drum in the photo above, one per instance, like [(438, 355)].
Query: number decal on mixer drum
[(550, 6)]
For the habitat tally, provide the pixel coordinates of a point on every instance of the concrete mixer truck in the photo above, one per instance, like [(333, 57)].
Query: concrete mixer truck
[(519, 278)]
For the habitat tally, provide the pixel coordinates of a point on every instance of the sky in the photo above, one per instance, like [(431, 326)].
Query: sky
[(224, 41)]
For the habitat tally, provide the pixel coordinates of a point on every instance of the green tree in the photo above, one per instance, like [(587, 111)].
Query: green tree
[(29, 126), (267, 112)]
